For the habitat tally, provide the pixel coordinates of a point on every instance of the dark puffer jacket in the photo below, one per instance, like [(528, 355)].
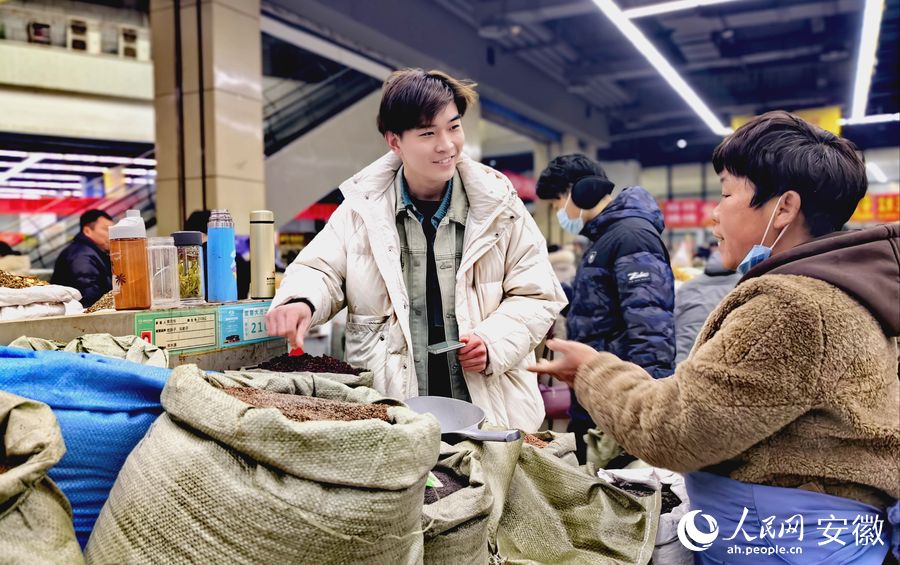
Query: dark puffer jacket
[(624, 292), (84, 266)]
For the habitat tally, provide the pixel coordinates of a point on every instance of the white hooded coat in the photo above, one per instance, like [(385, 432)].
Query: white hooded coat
[(506, 291)]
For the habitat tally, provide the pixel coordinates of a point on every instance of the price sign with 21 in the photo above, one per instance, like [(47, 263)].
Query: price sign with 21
[(254, 323)]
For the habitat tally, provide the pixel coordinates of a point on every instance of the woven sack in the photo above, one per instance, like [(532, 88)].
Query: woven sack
[(218, 481), (35, 517)]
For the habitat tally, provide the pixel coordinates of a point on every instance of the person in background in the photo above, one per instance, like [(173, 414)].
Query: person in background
[(199, 221), (85, 265), (563, 263), (430, 245), (697, 298), (787, 409), (12, 261), (623, 294)]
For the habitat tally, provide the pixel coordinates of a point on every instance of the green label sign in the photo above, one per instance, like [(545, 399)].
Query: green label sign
[(179, 330)]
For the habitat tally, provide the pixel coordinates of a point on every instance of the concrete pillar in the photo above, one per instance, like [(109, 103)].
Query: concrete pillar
[(569, 144), (208, 101), (471, 123), (623, 173), (544, 215)]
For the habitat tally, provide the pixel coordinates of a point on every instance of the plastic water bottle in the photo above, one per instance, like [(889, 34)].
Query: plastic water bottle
[(221, 269), (128, 254)]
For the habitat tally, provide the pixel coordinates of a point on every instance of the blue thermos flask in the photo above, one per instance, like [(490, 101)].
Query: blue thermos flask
[(221, 270)]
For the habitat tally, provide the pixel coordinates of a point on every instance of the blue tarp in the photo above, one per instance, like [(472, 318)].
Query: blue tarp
[(104, 407)]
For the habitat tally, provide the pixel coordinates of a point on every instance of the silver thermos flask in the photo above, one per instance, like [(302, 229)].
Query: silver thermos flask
[(262, 254)]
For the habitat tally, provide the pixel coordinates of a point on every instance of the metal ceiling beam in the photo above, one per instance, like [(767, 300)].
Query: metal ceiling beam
[(532, 11), (425, 35), (737, 63)]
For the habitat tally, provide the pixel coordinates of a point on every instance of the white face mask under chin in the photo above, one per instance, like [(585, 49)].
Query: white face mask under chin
[(759, 253)]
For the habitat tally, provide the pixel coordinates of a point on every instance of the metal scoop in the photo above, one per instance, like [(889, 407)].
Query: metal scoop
[(458, 419)]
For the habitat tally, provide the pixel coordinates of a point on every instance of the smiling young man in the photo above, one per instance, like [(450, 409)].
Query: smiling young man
[(430, 246), (789, 401)]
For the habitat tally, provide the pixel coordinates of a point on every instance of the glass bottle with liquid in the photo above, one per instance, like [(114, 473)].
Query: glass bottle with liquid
[(128, 255), (191, 271)]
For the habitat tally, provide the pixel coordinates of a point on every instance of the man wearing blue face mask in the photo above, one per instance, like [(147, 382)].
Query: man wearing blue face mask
[(623, 297)]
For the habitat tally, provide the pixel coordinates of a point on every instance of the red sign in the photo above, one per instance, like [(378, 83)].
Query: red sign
[(59, 206), (687, 213), (525, 186), (706, 212), (865, 210), (318, 211), (11, 238), (887, 208), (877, 209)]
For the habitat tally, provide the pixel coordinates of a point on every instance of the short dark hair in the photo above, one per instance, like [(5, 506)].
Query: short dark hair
[(6, 249), (563, 172), (411, 98), (91, 216), (778, 152), (198, 221)]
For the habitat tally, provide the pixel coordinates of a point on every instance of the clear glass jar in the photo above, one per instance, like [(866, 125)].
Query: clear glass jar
[(163, 263), (191, 269)]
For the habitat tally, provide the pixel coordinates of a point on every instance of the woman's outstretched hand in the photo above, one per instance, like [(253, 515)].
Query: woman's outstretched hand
[(572, 355)]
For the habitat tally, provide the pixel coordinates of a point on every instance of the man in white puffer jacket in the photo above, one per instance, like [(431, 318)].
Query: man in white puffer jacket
[(428, 246)]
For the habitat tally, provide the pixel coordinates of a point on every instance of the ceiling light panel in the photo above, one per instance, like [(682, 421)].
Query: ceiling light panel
[(668, 72), (666, 7), (876, 173), (873, 119), (865, 64)]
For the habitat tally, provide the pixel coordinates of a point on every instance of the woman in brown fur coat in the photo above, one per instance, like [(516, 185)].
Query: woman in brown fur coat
[(789, 402)]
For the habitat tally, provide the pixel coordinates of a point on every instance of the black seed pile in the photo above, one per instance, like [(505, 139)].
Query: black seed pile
[(669, 499), (309, 363), (451, 481)]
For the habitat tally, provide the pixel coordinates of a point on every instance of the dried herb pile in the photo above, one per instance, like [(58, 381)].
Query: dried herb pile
[(535, 441), (105, 302), (9, 280), (308, 408)]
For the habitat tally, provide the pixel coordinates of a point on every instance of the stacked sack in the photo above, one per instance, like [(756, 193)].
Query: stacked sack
[(129, 347), (35, 517), (23, 297), (530, 502), (216, 480)]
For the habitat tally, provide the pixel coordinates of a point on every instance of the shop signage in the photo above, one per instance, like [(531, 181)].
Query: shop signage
[(827, 118), (865, 211), (887, 208), (240, 324), (179, 330), (688, 213), (877, 208)]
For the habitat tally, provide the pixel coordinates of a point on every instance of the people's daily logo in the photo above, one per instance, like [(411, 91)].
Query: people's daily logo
[(692, 537)]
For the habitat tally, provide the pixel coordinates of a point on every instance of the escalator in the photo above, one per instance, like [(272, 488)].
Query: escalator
[(303, 90), (45, 245)]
